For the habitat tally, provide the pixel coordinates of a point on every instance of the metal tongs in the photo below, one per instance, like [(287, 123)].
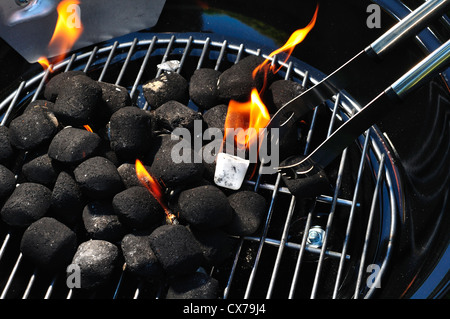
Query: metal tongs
[(373, 111)]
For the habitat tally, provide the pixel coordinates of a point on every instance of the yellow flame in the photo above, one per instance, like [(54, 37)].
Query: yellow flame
[(67, 31)]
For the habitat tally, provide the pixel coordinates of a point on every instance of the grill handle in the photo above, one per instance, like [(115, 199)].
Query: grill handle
[(408, 26), (422, 71)]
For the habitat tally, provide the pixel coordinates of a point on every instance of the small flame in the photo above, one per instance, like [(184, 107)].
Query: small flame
[(253, 115), (297, 37), (88, 128), (45, 63), (154, 188), (67, 30)]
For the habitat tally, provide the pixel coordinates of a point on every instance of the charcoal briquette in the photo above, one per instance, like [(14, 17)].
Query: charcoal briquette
[(215, 117), (7, 183), (139, 257), (217, 245), (42, 170), (280, 92), (130, 132), (308, 185), (6, 150), (173, 114), (39, 105), (101, 221), (127, 172), (77, 101), (48, 244), (197, 285), (237, 82), (114, 97), (249, 209), (168, 86), (204, 207), (74, 145), (27, 203), (33, 129), (96, 260), (203, 89), (98, 178), (67, 199), (177, 168), (53, 87), (177, 249), (137, 208)]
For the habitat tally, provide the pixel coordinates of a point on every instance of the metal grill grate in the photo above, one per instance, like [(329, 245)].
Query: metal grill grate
[(280, 261)]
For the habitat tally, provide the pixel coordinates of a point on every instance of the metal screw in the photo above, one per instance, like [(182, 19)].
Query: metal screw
[(315, 236)]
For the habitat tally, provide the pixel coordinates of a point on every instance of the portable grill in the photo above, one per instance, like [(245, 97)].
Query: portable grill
[(333, 246), (132, 63)]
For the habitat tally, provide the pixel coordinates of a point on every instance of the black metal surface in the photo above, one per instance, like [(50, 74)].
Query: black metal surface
[(418, 130)]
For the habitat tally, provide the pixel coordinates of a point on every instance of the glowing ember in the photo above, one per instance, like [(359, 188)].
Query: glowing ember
[(154, 188), (67, 31)]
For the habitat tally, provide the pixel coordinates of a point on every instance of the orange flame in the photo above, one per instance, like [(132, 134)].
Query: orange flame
[(297, 37), (250, 116), (88, 128), (153, 187), (253, 115), (67, 31)]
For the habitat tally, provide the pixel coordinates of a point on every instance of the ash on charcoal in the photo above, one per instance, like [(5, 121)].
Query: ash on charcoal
[(98, 178), (32, 129), (139, 257), (173, 114), (309, 185), (101, 221), (204, 207), (39, 105), (73, 145), (6, 150), (168, 86), (249, 209), (77, 101), (7, 183), (215, 117), (127, 172), (53, 87), (114, 97), (236, 83), (203, 89), (42, 170), (280, 92), (217, 245), (194, 286), (97, 260), (130, 132), (67, 200), (178, 168), (49, 244), (137, 208), (28, 203), (176, 249)]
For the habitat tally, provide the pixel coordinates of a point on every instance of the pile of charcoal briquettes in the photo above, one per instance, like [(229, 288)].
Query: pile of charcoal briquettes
[(68, 178)]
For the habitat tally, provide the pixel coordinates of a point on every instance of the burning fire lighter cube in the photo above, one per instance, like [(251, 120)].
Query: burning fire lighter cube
[(230, 171)]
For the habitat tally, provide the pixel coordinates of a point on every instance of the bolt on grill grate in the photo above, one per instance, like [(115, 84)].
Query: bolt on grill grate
[(325, 247)]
